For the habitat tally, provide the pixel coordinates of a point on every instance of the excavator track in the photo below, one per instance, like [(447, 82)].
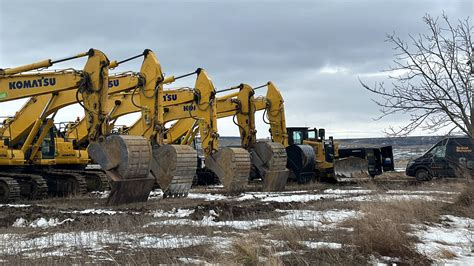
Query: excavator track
[(232, 166), (176, 166), (9, 189), (40, 188), (269, 159), (32, 187), (96, 180), (64, 182)]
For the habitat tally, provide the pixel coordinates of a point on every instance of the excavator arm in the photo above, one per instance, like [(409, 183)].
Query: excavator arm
[(173, 166), (268, 158), (231, 165), (92, 93)]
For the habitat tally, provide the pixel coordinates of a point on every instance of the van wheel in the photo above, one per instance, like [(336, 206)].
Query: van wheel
[(423, 175)]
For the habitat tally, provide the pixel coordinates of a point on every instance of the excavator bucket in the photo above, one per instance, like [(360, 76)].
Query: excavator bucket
[(126, 160), (269, 159), (174, 167), (351, 167), (232, 167)]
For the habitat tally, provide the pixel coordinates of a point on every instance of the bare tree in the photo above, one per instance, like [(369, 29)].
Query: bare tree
[(430, 80)]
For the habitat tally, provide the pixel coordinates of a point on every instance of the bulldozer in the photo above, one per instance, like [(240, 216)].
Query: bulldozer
[(328, 166)]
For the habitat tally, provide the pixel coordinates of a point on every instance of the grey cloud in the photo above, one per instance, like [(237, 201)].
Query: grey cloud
[(284, 41)]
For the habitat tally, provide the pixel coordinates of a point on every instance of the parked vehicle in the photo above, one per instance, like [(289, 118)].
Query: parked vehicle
[(447, 158)]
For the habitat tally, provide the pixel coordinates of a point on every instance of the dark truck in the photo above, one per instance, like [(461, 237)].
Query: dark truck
[(447, 158)]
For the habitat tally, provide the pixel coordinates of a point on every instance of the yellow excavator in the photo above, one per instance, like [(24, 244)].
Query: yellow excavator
[(32, 131), (16, 178), (126, 159), (231, 165), (170, 165), (268, 159), (308, 154)]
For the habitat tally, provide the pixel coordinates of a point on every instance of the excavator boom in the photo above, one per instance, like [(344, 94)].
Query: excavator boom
[(91, 89)]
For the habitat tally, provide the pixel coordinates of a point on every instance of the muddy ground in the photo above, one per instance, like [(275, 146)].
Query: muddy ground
[(305, 224)]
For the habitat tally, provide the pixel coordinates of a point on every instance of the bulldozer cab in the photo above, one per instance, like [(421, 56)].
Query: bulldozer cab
[(312, 136), (296, 135)]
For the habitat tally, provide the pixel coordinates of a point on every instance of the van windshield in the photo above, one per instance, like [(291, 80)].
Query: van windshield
[(438, 151)]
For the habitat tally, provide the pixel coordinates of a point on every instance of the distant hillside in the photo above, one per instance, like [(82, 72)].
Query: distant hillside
[(364, 142), (395, 142)]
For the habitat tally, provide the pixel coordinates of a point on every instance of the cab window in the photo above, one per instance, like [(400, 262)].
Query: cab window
[(311, 135), (297, 137)]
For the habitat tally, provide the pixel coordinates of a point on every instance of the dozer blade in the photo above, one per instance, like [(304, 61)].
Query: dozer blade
[(232, 167), (174, 167), (351, 167), (126, 160), (269, 158)]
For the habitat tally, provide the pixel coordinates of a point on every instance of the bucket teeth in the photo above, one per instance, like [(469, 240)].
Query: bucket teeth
[(174, 167), (269, 159), (126, 160), (232, 167)]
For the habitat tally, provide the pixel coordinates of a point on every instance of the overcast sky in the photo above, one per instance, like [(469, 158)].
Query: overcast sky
[(314, 51)]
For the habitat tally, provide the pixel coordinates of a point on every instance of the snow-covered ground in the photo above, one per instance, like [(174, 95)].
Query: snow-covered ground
[(290, 218), (455, 234)]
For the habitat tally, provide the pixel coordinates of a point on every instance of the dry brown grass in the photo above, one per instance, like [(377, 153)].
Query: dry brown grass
[(384, 228), (464, 203), (253, 250)]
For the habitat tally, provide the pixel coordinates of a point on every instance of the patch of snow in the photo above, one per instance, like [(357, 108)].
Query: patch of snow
[(15, 205), (320, 219), (393, 198), (100, 194), (421, 192), (156, 194), (40, 222), (347, 191), (283, 253), (300, 197), (455, 235), (178, 213), (206, 196), (293, 218), (96, 211), (192, 260), (20, 222), (61, 244), (315, 245)]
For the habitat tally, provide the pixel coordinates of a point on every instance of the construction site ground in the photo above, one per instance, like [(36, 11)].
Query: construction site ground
[(392, 219)]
